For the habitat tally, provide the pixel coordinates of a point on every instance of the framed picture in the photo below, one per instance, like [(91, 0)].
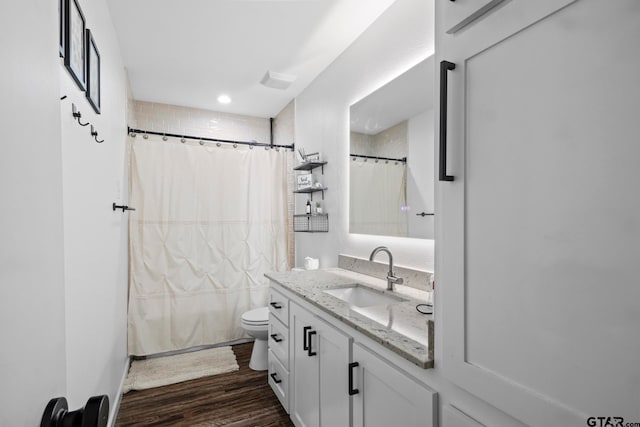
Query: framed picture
[(93, 73), (61, 27), (304, 180), (75, 42)]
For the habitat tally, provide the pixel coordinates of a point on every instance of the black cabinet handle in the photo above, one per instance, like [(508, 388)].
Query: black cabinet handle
[(311, 352), (275, 338), (445, 66), (275, 305), (352, 390), (274, 376), (305, 346)]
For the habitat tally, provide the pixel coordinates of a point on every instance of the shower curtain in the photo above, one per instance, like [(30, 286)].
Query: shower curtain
[(209, 222), (377, 194)]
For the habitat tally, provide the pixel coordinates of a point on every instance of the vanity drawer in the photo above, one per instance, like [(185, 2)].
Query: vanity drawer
[(279, 306), (279, 340), (279, 380)]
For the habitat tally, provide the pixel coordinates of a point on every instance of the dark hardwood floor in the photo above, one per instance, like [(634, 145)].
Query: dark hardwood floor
[(238, 399)]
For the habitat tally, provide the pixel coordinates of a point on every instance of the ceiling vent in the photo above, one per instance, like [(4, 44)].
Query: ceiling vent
[(277, 80)]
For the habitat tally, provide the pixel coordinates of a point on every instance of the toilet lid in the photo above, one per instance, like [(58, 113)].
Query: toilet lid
[(256, 316)]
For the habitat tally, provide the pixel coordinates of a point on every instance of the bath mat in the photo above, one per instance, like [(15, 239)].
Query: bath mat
[(160, 371)]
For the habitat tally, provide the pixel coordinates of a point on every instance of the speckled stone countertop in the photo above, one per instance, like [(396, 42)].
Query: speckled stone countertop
[(397, 326)]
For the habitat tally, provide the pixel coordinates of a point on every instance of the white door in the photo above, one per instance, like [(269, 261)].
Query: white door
[(385, 396), (537, 235), (305, 373)]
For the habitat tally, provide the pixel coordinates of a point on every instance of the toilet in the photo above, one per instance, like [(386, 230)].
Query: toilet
[(256, 324)]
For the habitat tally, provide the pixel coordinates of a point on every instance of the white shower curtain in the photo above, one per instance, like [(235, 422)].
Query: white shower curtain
[(209, 222), (377, 195)]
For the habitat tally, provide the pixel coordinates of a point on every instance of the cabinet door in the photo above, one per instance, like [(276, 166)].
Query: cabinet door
[(453, 417), (387, 397), (305, 370), (320, 357), (537, 238), (460, 14), (333, 349)]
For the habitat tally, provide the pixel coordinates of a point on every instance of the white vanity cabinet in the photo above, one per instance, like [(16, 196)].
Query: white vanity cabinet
[(278, 342), (336, 380), (536, 243), (320, 360), (385, 396)]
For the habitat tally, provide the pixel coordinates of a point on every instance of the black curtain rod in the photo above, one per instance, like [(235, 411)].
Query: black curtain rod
[(403, 159), (199, 138)]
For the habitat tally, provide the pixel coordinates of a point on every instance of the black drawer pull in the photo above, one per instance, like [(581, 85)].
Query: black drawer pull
[(274, 376), (305, 346), (276, 305), (311, 352), (445, 66), (352, 390), (275, 338)]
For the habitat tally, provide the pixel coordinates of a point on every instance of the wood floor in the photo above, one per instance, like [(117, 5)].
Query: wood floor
[(237, 399)]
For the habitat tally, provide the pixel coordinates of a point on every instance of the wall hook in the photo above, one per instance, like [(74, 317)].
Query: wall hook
[(63, 97), (77, 115), (94, 134), (123, 207)]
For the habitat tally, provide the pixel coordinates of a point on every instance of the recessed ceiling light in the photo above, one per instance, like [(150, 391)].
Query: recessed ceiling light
[(224, 99)]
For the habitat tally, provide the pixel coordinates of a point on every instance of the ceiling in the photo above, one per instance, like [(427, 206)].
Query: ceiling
[(406, 96), (189, 52)]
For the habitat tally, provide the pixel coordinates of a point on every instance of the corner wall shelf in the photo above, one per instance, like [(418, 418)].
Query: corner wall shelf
[(310, 166), (311, 190), (318, 223)]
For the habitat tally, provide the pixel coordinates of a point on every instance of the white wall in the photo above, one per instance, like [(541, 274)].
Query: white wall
[(95, 237), (32, 351), (398, 40), (63, 262), (421, 174)]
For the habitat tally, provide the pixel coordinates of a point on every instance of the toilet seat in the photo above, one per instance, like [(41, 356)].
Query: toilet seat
[(256, 317)]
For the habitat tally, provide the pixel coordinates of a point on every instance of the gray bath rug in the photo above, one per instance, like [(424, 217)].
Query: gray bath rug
[(160, 371)]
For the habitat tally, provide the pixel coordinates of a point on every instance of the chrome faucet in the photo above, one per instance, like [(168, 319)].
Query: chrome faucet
[(391, 278)]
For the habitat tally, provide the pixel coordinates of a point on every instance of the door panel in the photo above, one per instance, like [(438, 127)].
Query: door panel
[(304, 376), (333, 353), (540, 227), (387, 397), (453, 417)]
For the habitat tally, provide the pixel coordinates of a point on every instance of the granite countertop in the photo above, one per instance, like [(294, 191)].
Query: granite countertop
[(397, 326)]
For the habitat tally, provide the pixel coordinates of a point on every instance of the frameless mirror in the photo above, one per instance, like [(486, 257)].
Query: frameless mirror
[(391, 157)]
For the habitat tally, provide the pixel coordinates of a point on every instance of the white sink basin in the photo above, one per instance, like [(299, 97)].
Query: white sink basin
[(361, 296)]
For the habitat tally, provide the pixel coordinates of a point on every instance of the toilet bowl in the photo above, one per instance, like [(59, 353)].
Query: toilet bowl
[(256, 324)]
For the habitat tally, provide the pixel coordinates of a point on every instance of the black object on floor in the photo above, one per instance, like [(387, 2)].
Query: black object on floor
[(94, 414)]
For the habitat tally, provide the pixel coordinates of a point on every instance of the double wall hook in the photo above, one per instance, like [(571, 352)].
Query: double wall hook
[(77, 115), (94, 134)]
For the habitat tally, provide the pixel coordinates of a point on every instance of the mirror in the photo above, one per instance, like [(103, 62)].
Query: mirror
[(391, 180)]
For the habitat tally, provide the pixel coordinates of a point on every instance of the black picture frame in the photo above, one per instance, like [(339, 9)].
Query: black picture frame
[(75, 43), (93, 72), (61, 27)]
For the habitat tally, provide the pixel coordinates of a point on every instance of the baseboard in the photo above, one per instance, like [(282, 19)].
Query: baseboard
[(113, 413), (191, 349)]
